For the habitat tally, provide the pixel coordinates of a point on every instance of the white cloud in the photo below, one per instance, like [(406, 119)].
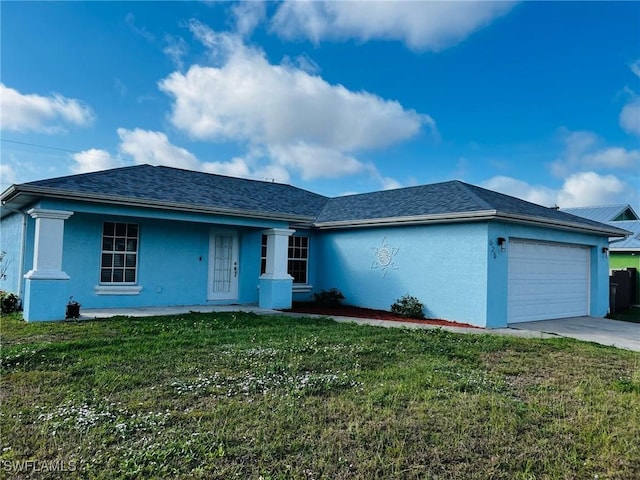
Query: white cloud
[(248, 15), (420, 25), (635, 67), (130, 20), (31, 112), (286, 110), (154, 148), (613, 158), (589, 188), (93, 160), (7, 175), (237, 167), (517, 188), (389, 183), (578, 190), (630, 117), (176, 48), (583, 151), (313, 161)]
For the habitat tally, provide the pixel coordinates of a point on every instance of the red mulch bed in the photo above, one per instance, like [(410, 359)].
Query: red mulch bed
[(358, 312)]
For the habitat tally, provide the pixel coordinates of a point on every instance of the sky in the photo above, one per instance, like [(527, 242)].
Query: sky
[(539, 100)]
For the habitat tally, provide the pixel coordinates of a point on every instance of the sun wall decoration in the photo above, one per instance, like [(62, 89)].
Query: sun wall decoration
[(383, 257)]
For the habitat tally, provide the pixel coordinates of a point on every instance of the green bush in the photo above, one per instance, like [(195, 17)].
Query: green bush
[(331, 298), (8, 302), (408, 306)]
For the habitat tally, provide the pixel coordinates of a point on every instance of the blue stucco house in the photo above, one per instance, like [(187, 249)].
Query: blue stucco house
[(159, 236)]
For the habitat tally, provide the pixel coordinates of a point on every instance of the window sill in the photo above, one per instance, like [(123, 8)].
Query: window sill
[(117, 289), (302, 288)]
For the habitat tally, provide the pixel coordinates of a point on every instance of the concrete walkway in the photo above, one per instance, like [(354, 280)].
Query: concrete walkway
[(599, 330)]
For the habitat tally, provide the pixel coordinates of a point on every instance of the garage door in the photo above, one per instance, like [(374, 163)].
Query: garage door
[(547, 280)]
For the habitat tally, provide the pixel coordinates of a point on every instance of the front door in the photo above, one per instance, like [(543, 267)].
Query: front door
[(223, 265)]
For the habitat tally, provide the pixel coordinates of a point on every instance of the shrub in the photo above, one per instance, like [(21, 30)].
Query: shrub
[(408, 306), (8, 302), (332, 298)]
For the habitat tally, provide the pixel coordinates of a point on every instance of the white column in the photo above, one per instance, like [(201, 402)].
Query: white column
[(47, 248), (277, 254)]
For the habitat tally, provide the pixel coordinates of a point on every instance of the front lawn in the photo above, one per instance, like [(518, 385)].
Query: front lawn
[(272, 397)]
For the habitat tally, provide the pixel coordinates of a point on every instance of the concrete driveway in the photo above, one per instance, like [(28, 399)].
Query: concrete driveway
[(591, 329)]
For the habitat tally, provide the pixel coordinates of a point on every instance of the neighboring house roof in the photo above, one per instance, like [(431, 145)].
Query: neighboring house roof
[(605, 213), (171, 188), (631, 243)]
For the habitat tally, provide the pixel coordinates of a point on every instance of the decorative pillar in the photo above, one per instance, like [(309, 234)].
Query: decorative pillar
[(276, 285), (46, 287)]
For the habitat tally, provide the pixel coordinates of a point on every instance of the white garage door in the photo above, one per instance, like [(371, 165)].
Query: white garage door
[(547, 280)]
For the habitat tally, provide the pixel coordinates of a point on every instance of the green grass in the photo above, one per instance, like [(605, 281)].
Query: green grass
[(631, 314), (246, 396)]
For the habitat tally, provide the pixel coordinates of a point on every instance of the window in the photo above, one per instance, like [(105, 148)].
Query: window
[(119, 261), (298, 258)]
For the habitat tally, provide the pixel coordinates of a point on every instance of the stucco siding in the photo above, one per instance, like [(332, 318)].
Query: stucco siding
[(11, 238), (444, 266), (172, 262)]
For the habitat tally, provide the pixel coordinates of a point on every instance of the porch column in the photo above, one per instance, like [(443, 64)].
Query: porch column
[(276, 285), (46, 287)]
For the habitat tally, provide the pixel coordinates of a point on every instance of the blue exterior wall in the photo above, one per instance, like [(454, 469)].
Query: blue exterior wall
[(457, 270), (11, 238), (172, 256), (444, 266)]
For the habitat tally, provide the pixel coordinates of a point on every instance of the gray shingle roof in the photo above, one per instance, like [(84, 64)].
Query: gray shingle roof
[(165, 187), (439, 199), (184, 187), (435, 199)]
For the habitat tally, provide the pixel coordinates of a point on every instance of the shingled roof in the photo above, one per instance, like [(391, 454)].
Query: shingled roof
[(171, 188)]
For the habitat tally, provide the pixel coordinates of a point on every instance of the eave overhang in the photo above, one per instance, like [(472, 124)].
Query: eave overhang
[(21, 196), (477, 216)]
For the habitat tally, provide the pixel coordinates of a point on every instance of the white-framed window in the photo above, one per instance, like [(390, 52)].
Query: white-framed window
[(297, 261), (119, 259)]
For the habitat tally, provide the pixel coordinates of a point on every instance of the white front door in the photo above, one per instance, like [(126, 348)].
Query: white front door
[(223, 265)]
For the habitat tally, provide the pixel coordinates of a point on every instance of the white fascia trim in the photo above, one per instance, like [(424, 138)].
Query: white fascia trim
[(614, 232), (624, 249), (176, 206), (117, 289), (467, 217), (410, 220)]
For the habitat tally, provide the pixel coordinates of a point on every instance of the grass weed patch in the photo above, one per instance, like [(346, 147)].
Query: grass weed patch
[(237, 395)]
